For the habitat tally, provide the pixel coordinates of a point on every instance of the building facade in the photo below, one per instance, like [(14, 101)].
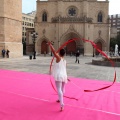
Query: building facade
[(27, 22), (27, 25), (59, 21), (115, 24), (11, 27)]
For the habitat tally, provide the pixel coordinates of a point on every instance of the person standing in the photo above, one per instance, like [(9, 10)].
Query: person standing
[(59, 74), (3, 53), (7, 53), (77, 57)]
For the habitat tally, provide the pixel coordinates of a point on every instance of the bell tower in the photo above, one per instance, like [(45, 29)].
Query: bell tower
[(11, 27)]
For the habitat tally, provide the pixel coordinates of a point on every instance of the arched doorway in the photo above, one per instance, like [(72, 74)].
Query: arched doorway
[(44, 47), (99, 46), (71, 48)]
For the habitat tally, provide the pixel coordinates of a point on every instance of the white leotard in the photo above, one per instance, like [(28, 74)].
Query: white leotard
[(59, 71)]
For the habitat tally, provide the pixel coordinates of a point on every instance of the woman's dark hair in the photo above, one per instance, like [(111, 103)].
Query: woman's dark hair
[(62, 52)]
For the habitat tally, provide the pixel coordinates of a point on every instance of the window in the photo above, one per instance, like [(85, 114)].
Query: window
[(114, 20), (44, 17), (72, 11), (100, 17), (118, 15), (23, 18), (109, 16)]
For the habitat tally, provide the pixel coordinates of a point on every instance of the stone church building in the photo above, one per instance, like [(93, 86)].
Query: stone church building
[(11, 27), (61, 20)]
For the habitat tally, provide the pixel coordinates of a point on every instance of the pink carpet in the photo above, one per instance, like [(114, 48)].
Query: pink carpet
[(29, 96)]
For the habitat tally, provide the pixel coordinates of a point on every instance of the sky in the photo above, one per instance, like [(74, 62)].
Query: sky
[(30, 5)]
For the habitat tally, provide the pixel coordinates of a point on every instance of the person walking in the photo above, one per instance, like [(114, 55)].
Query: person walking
[(59, 74), (77, 57)]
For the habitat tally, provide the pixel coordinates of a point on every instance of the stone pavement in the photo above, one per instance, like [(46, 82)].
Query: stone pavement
[(41, 65)]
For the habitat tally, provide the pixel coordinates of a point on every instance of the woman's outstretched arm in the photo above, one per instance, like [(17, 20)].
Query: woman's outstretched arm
[(58, 58)]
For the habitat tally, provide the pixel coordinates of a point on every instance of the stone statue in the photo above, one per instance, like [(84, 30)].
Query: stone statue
[(116, 50)]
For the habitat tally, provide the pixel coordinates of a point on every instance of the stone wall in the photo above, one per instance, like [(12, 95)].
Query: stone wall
[(11, 27)]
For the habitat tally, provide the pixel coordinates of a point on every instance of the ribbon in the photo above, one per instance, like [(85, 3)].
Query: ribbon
[(95, 46), (112, 63)]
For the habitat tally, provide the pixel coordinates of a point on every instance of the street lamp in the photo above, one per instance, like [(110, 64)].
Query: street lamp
[(93, 51), (34, 35), (52, 44)]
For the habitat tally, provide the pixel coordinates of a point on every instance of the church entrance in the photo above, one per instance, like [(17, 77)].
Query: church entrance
[(71, 48), (99, 46), (44, 47)]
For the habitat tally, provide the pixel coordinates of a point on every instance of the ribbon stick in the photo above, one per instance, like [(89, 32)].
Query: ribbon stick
[(102, 53)]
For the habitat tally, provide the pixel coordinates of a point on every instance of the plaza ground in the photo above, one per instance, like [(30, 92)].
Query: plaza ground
[(41, 65)]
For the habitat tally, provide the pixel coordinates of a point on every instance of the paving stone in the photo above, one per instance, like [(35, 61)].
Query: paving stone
[(41, 65)]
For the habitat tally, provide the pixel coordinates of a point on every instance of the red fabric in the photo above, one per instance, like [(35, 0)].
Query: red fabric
[(29, 96), (102, 53)]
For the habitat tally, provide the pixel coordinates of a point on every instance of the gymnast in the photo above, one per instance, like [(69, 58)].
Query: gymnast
[(59, 74)]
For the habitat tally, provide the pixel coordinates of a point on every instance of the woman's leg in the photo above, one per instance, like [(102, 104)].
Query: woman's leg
[(60, 93), (63, 87)]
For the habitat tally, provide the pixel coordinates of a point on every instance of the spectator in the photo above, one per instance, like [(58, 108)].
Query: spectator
[(3, 53), (7, 53)]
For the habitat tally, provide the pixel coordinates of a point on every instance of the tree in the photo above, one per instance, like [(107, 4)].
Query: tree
[(114, 41), (118, 40)]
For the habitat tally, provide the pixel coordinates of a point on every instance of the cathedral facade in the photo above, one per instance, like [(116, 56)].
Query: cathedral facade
[(61, 20)]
